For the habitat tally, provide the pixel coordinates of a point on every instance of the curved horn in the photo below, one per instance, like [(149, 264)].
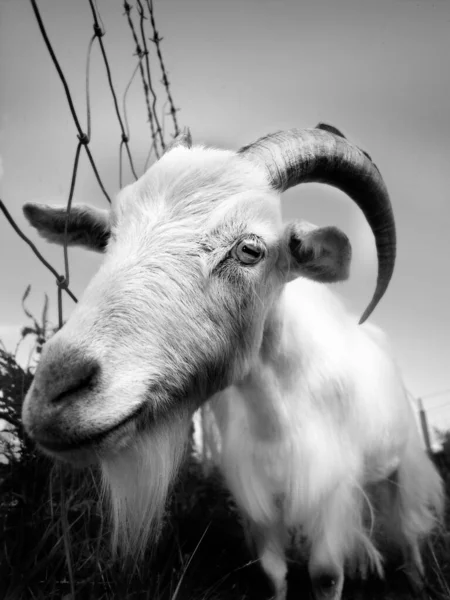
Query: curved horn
[(182, 139), (324, 155)]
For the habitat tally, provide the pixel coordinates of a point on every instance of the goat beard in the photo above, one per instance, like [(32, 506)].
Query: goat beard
[(137, 481)]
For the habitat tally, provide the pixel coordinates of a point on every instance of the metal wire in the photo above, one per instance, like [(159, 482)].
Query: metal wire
[(99, 33), (60, 279), (146, 86), (142, 19), (157, 39), (84, 137)]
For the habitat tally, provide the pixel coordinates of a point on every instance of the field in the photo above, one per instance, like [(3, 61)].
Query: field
[(54, 540)]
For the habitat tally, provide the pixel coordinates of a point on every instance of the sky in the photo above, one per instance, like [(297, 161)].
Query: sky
[(240, 69)]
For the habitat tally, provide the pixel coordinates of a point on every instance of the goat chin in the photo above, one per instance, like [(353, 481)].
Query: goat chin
[(137, 481)]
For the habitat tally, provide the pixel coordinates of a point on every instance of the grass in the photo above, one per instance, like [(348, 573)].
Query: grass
[(201, 554), (54, 536)]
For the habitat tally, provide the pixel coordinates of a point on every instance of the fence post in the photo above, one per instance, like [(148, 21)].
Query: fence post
[(424, 425)]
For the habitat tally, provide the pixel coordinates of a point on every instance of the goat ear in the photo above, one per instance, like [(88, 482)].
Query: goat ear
[(319, 253), (87, 226)]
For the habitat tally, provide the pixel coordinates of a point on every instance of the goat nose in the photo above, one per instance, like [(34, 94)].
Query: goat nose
[(66, 379), (73, 379), (64, 372)]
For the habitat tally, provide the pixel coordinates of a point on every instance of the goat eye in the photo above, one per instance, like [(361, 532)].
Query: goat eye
[(248, 251)]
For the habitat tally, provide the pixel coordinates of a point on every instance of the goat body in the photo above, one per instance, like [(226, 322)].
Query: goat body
[(321, 417)]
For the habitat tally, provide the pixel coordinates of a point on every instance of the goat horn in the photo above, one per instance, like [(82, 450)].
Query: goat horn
[(182, 139), (324, 155)]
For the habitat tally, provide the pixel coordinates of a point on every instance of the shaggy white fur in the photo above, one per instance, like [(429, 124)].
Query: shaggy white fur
[(308, 417), (306, 437)]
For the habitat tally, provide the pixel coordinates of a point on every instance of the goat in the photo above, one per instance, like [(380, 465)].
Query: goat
[(204, 295)]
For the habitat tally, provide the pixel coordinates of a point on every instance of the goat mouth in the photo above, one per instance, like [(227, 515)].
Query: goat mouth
[(94, 440)]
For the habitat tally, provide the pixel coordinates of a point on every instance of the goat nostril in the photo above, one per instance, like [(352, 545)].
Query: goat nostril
[(325, 583), (82, 379)]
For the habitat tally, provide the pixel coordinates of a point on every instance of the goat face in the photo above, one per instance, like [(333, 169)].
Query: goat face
[(195, 257)]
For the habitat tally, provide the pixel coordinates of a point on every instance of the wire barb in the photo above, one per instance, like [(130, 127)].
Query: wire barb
[(84, 139), (98, 31)]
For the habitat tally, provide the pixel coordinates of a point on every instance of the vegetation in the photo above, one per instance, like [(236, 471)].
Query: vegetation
[(54, 532)]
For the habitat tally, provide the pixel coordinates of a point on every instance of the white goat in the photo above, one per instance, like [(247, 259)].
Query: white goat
[(205, 295)]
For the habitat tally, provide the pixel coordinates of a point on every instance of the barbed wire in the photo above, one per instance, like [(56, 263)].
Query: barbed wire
[(157, 39), (157, 144), (145, 85), (99, 32)]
